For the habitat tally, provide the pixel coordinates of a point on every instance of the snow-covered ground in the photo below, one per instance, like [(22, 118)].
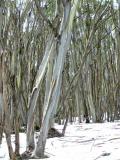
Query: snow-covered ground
[(81, 142)]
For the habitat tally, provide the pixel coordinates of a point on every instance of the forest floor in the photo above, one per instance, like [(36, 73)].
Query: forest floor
[(99, 141)]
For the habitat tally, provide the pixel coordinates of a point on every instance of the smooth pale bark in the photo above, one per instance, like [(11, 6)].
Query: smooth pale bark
[(48, 83), (49, 76), (54, 92), (35, 93)]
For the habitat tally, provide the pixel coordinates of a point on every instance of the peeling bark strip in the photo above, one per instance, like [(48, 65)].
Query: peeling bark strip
[(35, 92), (34, 31), (58, 50), (56, 80)]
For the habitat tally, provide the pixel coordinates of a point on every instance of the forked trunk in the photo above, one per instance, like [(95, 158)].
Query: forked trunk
[(35, 94), (55, 88)]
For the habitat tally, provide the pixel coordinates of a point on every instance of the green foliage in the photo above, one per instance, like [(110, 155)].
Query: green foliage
[(50, 8)]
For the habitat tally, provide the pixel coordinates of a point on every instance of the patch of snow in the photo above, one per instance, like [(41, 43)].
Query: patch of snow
[(81, 142)]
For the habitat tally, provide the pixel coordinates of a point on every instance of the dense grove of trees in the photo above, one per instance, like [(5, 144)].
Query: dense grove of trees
[(59, 59)]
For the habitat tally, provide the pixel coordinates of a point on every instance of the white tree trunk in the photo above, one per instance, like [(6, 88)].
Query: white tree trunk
[(54, 92), (35, 93)]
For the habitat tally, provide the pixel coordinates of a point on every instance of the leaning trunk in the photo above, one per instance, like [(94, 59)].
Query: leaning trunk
[(35, 94), (54, 91)]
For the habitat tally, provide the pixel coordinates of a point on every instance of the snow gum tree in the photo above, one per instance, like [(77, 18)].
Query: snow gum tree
[(56, 63), (53, 61)]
